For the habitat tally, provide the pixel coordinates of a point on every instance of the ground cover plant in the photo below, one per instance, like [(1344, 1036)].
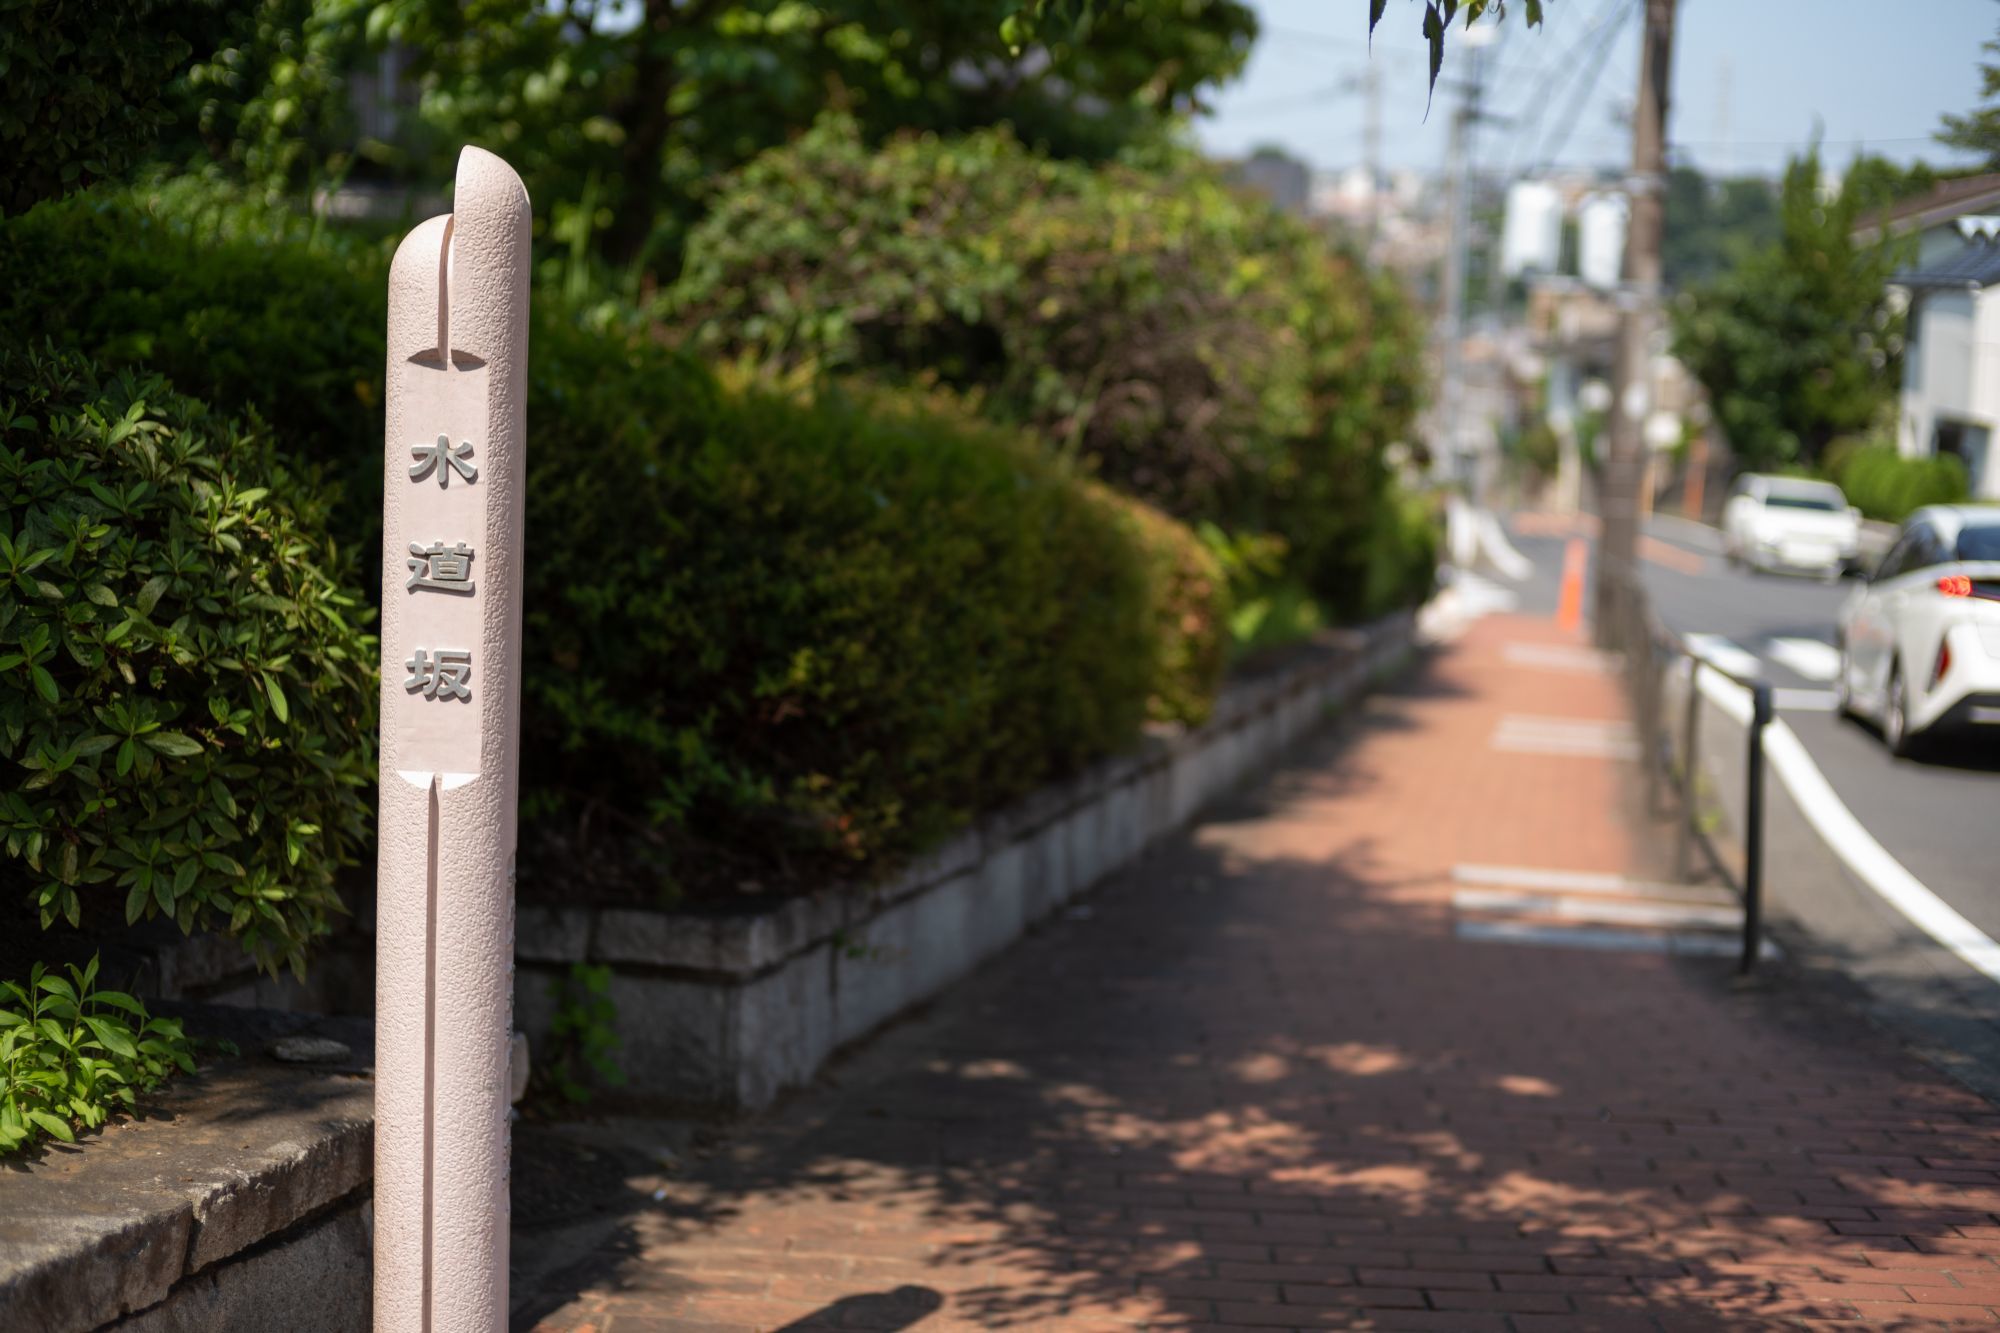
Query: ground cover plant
[(73, 1055)]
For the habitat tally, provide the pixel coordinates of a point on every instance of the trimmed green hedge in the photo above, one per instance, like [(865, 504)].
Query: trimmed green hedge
[(779, 636), (187, 701), (767, 638), (1884, 485)]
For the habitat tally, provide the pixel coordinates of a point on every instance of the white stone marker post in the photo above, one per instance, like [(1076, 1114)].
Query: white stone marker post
[(452, 526)]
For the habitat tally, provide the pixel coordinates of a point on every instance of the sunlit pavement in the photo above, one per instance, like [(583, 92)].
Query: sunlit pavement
[(1290, 1071), (1934, 816)]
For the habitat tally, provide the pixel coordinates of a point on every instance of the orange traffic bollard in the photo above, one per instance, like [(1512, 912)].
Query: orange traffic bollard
[(1569, 607)]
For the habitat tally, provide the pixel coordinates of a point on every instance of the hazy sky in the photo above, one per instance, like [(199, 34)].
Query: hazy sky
[(1751, 80)]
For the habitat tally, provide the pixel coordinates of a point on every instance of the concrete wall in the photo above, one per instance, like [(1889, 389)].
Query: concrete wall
[(728, 1011)]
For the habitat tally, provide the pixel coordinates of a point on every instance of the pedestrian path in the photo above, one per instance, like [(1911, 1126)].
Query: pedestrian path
[(1265, 1079)]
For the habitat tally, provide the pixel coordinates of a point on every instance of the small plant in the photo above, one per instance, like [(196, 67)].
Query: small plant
[(581, 1037), (72, 1056)]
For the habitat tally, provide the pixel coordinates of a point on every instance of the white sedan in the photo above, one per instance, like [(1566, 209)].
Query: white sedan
[(1920, 639), (1790, 523)]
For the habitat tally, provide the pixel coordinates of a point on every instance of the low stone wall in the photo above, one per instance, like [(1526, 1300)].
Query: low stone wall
[(729, 1010), (239, 1202)]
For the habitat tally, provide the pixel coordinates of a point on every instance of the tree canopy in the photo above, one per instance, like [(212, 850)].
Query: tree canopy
[(617, 114), (1797, 343), (1978, 131)]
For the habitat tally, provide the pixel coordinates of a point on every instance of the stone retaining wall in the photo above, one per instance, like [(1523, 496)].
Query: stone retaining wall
[(240, 1202), (728, 1011)]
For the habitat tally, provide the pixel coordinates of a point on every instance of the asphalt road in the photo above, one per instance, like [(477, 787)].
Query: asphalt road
[(1939, 816)]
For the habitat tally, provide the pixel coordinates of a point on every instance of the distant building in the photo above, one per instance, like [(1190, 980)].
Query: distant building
[(1950, 401), (1282, 179)]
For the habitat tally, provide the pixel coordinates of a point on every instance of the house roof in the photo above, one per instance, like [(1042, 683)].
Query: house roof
[(1974, 265), (1941, 203)]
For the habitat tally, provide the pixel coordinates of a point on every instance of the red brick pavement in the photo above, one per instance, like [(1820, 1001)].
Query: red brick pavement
[(1260, 1084)]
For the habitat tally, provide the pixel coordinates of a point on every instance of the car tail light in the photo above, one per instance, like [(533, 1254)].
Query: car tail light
[(1943, 663), (1955, 585)]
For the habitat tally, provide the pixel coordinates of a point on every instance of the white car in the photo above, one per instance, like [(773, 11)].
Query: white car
[(1920, 639), (1790, 523)]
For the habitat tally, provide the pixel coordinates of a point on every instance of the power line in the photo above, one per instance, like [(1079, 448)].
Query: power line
[(1568, 65), (1320, 96), (1329, 39), (1599, 58)]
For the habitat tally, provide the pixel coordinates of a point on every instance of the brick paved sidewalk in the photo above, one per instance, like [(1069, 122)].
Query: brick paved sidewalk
[(1259, 1081)]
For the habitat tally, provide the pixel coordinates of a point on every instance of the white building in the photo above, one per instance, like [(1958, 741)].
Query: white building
[(1950, 399)]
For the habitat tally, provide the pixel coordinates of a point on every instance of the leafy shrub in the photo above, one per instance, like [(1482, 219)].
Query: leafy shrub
[(80, 92), (74, 1056), (809, 635), (765, 636), (186, 701), (1402, 554), (1197, 347), (172, 280), (1189, 594), (1884, 485), (976, 261)]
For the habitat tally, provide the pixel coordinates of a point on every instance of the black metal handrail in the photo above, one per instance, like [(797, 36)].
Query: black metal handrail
[(1649, 647)]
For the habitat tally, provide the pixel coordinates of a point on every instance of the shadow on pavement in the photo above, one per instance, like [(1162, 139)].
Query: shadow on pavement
[(1260, 1071)]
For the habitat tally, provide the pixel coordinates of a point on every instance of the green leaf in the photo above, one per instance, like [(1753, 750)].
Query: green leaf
[(114, 1036), (149, 596), (55, 1125), (174, 743), (1376, 8), (277, 695), (118, 999), (1434, 28), (45, 684)]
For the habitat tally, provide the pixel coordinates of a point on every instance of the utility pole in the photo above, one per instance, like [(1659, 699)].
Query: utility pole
[(1372, 139), (1640, 299), (1458, 191)]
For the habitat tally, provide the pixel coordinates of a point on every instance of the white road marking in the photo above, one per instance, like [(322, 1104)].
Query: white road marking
[(1854, 845), (1522, 734), (1706, 944), (1560, 657), (1464, 599), (1494, 545), (1585, 881), (1721, 652), (1603, 912), (1573, 726), (1809, 657), (1581, 749)]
